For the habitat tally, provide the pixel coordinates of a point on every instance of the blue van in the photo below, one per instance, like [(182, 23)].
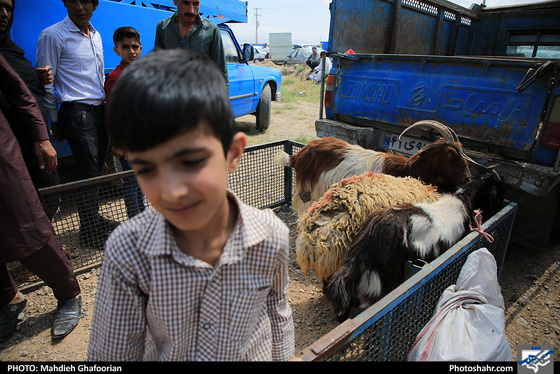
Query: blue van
[(251, 87)]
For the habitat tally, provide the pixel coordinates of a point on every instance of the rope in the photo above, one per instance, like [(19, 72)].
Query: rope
[(478, 220)]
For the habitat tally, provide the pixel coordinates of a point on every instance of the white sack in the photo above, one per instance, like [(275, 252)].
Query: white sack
[(469, 321)]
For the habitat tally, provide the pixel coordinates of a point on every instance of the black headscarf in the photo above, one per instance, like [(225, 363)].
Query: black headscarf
[(16, 58)]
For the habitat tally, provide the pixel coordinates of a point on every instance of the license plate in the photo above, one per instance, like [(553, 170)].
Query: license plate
[(406, 145)]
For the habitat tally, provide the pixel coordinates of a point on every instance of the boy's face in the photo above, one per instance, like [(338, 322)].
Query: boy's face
[(129, 49), (185, 178)]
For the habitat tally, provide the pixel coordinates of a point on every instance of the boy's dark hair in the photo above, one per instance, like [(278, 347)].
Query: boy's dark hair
[(165, 94), (125, 32)]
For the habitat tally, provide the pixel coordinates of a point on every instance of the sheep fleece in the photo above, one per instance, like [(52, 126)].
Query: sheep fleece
[(326, 229)]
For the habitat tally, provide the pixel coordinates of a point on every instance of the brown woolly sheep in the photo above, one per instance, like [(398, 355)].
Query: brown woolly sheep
[(326, 230)]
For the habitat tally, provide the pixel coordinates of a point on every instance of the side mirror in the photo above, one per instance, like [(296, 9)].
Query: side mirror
[(248, 52)]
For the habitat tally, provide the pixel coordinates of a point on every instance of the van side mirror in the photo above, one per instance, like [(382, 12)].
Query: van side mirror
[(248, 52)]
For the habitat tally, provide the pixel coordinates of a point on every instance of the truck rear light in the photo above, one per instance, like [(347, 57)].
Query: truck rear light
[(551, 136), (329, 88)]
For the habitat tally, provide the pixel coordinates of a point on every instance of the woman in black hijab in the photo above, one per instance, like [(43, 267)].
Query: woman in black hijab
[(26, 231), (35, 80)]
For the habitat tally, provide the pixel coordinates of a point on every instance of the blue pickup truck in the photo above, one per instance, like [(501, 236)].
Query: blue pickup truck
[(491, 74), (252, 88)]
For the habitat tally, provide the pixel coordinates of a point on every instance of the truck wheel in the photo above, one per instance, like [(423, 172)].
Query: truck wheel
[(264, 109)]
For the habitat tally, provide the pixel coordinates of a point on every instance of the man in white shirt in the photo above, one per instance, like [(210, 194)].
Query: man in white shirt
[(73, 48)]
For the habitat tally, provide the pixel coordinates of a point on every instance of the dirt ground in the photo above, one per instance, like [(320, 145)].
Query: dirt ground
[(530, 281)]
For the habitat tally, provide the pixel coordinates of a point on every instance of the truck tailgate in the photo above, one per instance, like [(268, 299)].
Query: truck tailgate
[(477, 97)]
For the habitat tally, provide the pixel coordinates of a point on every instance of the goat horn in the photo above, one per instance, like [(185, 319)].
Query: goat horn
[(489, 168), (448, 135)]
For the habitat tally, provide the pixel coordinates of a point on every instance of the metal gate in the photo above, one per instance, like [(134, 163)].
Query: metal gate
[(259, 182)]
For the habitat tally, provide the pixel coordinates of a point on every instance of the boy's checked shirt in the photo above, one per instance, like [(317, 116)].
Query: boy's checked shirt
[(154, 302)]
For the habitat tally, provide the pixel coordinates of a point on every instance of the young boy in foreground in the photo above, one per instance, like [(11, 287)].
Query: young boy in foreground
[(202, 276)]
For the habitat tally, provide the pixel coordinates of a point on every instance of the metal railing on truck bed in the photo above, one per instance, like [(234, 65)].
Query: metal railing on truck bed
[(386, 330)]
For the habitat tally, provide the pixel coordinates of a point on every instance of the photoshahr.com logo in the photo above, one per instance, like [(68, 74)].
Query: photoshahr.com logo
[(535, 359)]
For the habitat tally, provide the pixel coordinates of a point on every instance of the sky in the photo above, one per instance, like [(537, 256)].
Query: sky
[(307, 20)]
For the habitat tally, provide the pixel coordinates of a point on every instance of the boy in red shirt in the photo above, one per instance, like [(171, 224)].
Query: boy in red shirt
[(129, 47)]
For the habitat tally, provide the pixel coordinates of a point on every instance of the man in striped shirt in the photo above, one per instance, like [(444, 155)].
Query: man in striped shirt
[(74, 50), (202, 276)]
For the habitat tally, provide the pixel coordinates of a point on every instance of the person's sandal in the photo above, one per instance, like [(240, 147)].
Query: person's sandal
[(70, 252)]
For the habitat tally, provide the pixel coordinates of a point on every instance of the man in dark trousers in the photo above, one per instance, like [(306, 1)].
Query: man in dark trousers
[(81, 120)]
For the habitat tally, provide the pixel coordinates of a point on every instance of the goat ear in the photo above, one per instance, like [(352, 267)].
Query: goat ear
[(452, 153)]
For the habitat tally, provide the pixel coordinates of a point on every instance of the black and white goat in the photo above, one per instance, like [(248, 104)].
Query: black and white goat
[(375, 263)]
